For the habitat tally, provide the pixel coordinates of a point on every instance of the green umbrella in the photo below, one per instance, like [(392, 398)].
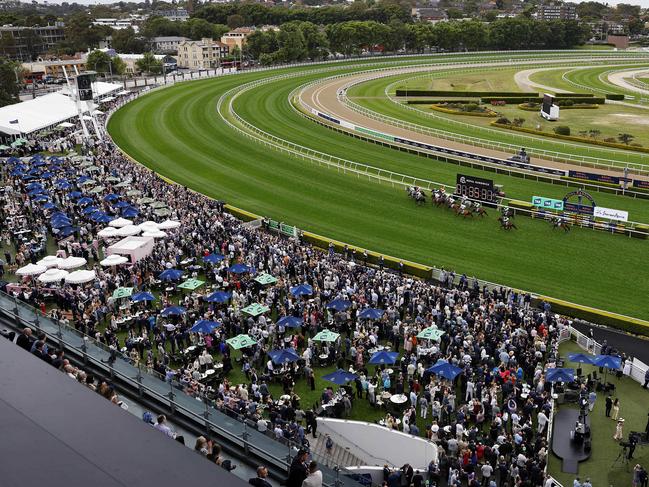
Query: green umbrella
[(162, 212), (4, 147), (122, 292), (97, 189), (157, 204), (123, 184), (112, 179), (18, 142), (430, 333), (191, 284), (87, 182), (134, 192), (92, 169), (326, 336), (265, 279), (240, 341), (255, 309), (145, 201)]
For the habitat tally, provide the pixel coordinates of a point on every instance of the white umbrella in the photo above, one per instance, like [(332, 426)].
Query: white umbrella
[(128, 230), (168, 225), (79, 277), (107, 232), (53, 275), (154, 234), (72, 262), (120, 222), (31, 270), (114, 259), (148, 225), (50, 261)]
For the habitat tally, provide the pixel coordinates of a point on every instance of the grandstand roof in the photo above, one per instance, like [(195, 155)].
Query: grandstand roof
[(36, 114), (57, 432)]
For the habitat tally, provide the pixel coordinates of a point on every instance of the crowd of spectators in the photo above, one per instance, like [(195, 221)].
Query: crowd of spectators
[(489, 423)]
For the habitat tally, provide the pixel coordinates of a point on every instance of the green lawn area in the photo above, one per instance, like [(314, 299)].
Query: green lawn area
[(178, 133), (634, 407), (610, 120), (497, 80)]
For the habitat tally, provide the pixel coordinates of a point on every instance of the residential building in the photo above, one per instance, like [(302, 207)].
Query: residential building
[(203, 54), (429, 14), (236, 37), (177, 15), (27, 43), (57, 68), (556, 11), (116, 24), (166, 44)]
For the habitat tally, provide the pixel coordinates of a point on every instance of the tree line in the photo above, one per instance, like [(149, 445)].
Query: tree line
[(299, 41)]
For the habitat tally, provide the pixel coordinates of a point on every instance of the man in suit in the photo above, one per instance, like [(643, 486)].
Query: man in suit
[(25, 339), (609, 405), (260, 479), (298, 471)]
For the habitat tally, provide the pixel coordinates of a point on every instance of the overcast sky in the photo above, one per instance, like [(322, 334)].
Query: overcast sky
[(642, 3)]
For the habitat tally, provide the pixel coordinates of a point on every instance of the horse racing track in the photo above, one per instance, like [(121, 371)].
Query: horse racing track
[(288, 144)]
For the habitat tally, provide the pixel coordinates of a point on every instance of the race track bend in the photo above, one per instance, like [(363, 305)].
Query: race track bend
[(324, 98), (618, 79)]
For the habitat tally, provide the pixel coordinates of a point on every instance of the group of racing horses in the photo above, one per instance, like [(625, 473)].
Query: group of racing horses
[(465, 207)]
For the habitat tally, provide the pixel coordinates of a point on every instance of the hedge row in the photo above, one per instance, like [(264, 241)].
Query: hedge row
[(574, 138), (460, 112), (476, 94), (435, 102), (614, 96), (573, 95)]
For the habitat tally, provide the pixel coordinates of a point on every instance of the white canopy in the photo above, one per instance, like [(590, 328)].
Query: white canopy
[(107, 232), (36, 114), (154, 234), (72, 262), (114, 259), (31, 270), (50, 261), (99, 89), (53, 275), (128, 230), (120, 222), (135, 247), (79, 277), (168, 225)]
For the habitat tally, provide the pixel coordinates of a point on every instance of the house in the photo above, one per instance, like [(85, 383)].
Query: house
[(203, 54), (236, 37), (166, 44), (26, 43), (429, 14)]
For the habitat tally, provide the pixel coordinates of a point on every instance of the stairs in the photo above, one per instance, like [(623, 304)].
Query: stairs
[(340, 456)]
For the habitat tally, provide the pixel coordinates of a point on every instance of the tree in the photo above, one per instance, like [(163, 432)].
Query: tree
[(235, 21), (197, 29), (127, 41), (518, 122), (80, 33), (102, 63), (562, 130), (625, 138), (149, 64), (9, 84)]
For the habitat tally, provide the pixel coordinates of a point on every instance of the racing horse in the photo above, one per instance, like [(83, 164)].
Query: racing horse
[(480, 211), (506, 223), (560, 222), (439, 197), (416, 193)]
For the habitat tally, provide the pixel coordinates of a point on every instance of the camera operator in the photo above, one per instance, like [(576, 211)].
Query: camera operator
[(633, 441)]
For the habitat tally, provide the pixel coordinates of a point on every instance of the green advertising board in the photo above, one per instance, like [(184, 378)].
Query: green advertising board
[(547, 203)]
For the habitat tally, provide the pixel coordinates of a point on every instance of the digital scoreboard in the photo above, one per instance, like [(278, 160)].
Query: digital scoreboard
[(475, 188)]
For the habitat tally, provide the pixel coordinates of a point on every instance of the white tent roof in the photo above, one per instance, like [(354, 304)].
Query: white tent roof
[(99, 89), (36, 114)]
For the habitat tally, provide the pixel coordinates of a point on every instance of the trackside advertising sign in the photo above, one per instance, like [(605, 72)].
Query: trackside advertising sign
[(611, 214)]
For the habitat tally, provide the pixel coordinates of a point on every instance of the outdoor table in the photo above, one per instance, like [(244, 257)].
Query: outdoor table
[(398, 398), (217, 366)]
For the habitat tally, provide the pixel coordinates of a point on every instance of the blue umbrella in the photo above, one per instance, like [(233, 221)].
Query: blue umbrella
[(173, 311), (111, 197), (142, 296), (83, 179), (213, 258), (47, 175), (608, 361), (130, 212), (560, 375), (75, 194), (371, 314), (64, 185), (384, 357), (204, 326), (290, 321), (103, 218), (218, 297), (35, 192), (33, 186), (49, 206), (89, 209), (65, 231), (283, 356), (339, 304), (85, 201), (581, 358), (60, 224), (445, 369), (302, 290), (42, 199), (170, 275), (340, 377), (122, 204), (239, 269)]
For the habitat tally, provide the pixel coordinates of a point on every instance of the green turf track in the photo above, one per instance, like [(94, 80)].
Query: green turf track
[(178, 133), (372, 96)]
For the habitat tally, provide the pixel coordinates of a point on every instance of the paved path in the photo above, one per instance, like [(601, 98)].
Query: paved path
[(617, 78), (524, 82)]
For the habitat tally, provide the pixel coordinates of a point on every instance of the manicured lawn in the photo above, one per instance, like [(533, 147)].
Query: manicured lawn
[(496, 81), (178, 133), (634, 406)]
